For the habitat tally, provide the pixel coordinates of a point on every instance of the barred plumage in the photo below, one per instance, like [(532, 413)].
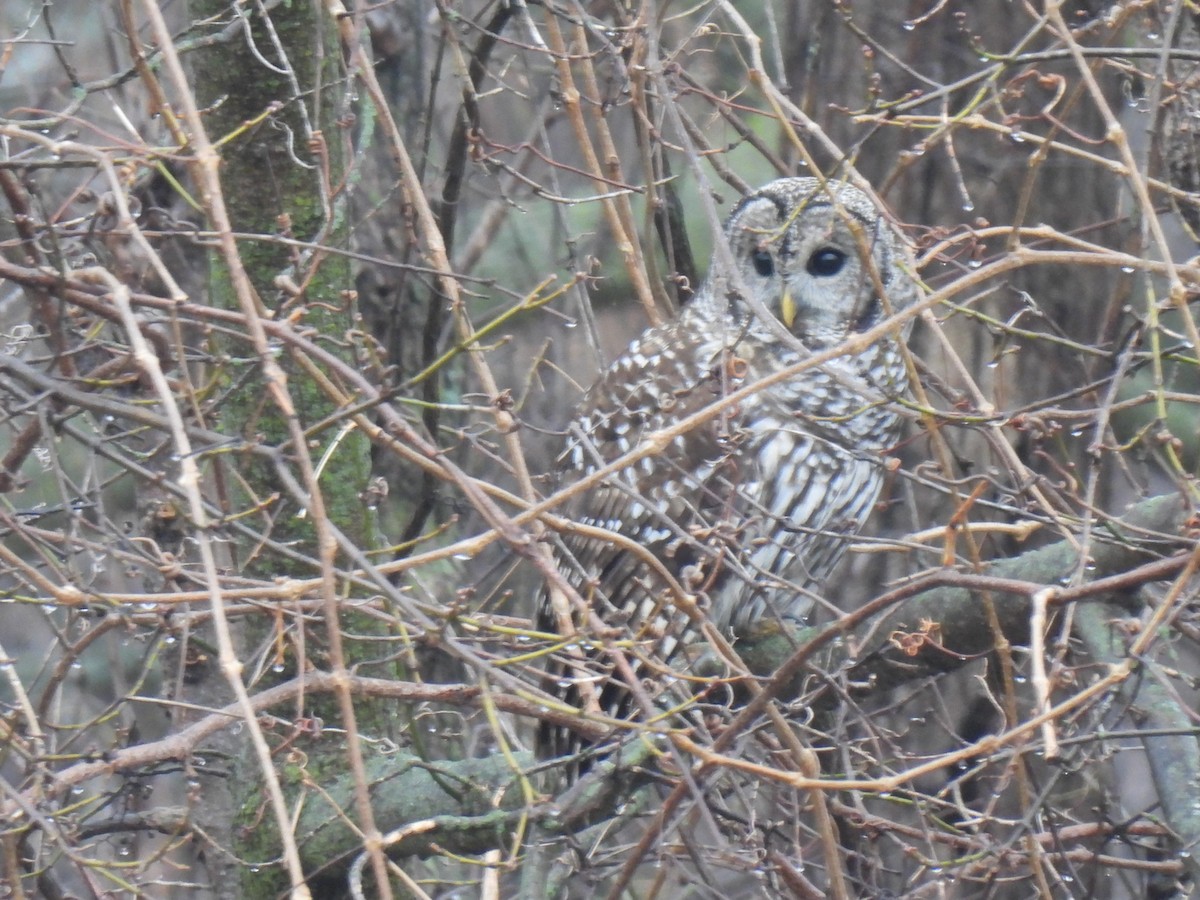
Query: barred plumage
[(750, 507)]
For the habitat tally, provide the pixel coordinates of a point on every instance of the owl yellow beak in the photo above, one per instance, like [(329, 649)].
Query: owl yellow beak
[(787, 309)]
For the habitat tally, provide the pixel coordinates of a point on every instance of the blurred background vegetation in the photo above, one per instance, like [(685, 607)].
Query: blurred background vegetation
[(294, 298)]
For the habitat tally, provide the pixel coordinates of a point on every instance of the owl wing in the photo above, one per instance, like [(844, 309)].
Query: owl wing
[(660, 503), (695, 505)]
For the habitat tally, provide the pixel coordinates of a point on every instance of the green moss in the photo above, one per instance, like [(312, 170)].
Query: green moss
[(271, 176), (271, 181)]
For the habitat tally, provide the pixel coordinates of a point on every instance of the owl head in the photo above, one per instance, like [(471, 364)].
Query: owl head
[(820, 258)]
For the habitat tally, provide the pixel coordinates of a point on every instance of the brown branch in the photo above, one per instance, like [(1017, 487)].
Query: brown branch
[(188, 742)]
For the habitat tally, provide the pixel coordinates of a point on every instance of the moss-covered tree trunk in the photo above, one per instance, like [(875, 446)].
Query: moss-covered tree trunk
[(282, 171), (273, 97)]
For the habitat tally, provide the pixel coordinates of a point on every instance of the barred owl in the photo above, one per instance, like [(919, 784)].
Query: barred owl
[(752, 493)]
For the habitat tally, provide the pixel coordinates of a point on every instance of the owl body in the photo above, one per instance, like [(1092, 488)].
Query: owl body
[(750, 502)]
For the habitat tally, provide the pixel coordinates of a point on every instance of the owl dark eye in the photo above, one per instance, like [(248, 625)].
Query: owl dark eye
[(826, 262), (764, 263)]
